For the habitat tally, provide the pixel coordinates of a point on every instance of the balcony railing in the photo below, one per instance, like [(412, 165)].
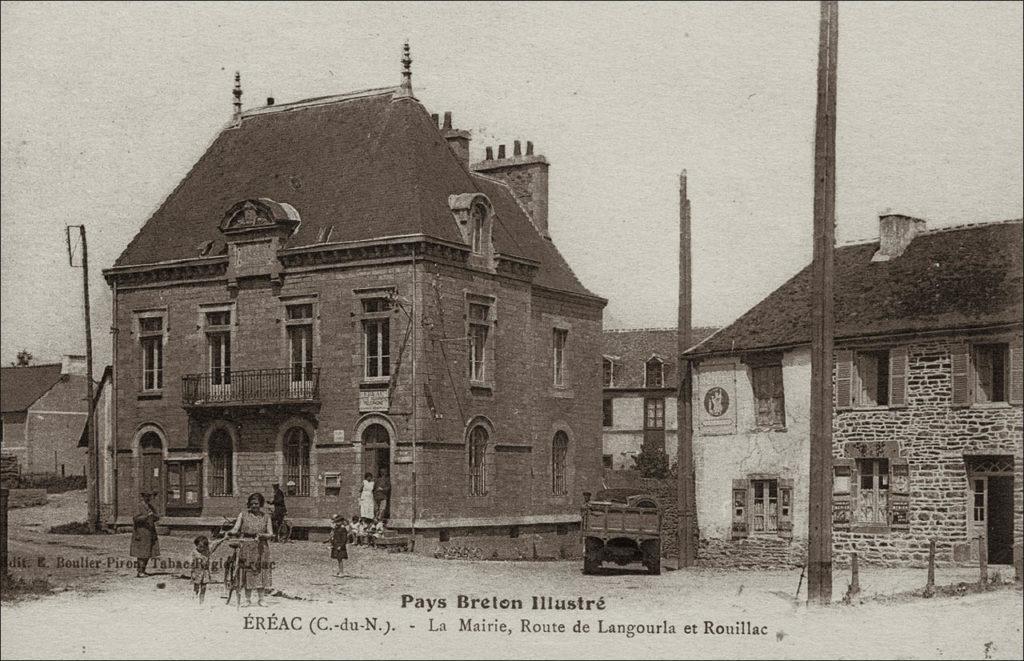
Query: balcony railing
[(251, 387)]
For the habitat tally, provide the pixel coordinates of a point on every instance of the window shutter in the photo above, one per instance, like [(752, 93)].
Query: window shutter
[(960, 359), (739, 509), (1015, 392), (785, 506), (899, 361), (844, 379)]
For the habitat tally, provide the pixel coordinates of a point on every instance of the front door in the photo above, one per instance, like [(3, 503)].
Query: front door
[(151, 466), (1000, 520)]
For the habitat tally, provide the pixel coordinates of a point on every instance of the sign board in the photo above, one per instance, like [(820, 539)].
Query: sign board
[(339, 435), (373, 400), (403, 456), (716, 406)]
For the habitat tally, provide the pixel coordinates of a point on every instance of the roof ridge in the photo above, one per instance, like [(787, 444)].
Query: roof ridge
[(652, 328), (315, 101), (938, 230), (36, 365)]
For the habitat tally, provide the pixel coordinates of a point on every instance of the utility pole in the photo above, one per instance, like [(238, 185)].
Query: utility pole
[(819, 524), (686, 536), (93, 463)]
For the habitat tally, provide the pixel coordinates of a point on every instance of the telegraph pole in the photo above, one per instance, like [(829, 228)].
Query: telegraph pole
[(819, 525), (93, 464), (686, 538)]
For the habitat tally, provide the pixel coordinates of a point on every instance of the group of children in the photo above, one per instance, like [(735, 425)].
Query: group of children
[(358, 531)]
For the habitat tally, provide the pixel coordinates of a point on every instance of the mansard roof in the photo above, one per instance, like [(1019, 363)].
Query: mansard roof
[(359, 167), (948, 279)]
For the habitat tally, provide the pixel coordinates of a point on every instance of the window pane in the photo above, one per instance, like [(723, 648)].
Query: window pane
[(151, 324), (303, 311), (371, 334), (220, 318), (376, 304)]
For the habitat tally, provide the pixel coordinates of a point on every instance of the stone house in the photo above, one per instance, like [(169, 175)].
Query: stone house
[(44, 411), (927, 431), (334, 289), (639, 377)]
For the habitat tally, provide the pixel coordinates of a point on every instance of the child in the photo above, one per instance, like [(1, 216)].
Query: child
[(338, 542), (200, 561), (375, 531), (353, 529)]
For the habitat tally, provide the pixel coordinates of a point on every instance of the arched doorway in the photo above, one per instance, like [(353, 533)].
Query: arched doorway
[(377, 454), (151, 468)]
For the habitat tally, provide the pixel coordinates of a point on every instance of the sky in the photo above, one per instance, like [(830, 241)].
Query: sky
[(105, 107)]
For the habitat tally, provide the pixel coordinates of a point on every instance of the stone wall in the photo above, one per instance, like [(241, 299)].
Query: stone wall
[(933, 438)]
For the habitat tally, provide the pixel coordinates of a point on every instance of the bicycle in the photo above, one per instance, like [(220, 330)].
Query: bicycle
[(283, 532)]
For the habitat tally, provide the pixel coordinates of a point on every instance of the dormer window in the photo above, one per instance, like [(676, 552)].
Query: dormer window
[(654, 373), (477, 219)]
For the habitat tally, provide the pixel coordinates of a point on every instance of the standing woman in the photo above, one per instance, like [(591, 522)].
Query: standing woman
[(145, 544), (366, 498), (254, 527)]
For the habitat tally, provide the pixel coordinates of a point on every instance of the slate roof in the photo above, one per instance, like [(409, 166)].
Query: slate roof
[(950, 278), (369, 164), (632, 348), (20, 387)]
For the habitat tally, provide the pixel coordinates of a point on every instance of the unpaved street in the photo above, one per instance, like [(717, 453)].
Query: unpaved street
[(157, 616)]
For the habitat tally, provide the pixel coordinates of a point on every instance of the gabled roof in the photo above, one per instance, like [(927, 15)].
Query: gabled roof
[(952, 278), (20, 387), (630, 349), (370, 165)]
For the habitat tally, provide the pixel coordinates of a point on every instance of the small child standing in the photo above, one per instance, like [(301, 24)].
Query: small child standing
[(339, 542), (353, 529), (200, 561)]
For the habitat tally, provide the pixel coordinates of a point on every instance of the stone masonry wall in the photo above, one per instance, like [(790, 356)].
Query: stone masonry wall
[(933, 437)]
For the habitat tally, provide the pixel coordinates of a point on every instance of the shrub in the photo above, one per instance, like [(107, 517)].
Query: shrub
[(652, 463)]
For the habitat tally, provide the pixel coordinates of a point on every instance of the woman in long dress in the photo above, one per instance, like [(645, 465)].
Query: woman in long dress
[(366, 498), (255, 529), (145, 544)]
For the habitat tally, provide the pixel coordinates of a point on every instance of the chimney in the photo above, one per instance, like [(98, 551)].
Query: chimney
[(527, 176), (72, 365), (237, 93), (270, 100), (457, 139), (895, 232)]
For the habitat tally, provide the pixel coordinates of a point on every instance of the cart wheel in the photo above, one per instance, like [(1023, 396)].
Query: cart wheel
[(652, 556)]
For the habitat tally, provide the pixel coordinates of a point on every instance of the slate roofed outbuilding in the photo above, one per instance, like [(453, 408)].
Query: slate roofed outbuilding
[(368, 166), (955, 278), (20, 387), (631, 348)]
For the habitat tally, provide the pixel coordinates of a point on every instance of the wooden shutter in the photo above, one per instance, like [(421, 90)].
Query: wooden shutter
[(739, 509), (899, 360), (785, 506), (844, 379), (1015, 391), (960, 359)]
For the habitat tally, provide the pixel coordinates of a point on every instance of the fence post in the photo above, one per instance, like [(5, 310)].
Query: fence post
[(929, 588), (855, 576), (983, 560)]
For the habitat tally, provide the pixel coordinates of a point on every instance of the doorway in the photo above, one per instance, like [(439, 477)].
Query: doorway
[(151, 469), (377, 456), (991, 493)]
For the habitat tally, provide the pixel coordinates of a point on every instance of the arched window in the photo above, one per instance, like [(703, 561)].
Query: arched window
[(221, 455), (559, 449), (296, 462), (608, 376), (654, 374), (376, 433), (478, 217), (477, 461)]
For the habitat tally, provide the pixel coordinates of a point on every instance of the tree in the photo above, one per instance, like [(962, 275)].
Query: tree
[(652, 463), (24, 359)]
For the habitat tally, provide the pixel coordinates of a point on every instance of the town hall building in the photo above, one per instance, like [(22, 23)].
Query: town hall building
[(334, 289)]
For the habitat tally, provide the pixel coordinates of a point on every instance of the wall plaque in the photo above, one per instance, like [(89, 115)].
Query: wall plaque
[(374, 401)]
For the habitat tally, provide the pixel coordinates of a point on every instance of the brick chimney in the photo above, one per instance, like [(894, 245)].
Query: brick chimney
[(895, 232), (527, 176), (457, 139), (72, 365)]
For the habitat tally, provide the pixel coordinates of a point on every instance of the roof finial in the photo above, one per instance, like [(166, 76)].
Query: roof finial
[(238, 95), (406, 88)]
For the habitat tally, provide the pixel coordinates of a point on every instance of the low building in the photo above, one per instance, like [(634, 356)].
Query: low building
[(639, 377), (335, 289), (927, 430), (44, 411)]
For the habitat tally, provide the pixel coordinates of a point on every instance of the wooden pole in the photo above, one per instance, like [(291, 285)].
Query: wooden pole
[(982, 561), (929, 588), (854, 575), (819, 533), (687, 538), (92, 469)]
